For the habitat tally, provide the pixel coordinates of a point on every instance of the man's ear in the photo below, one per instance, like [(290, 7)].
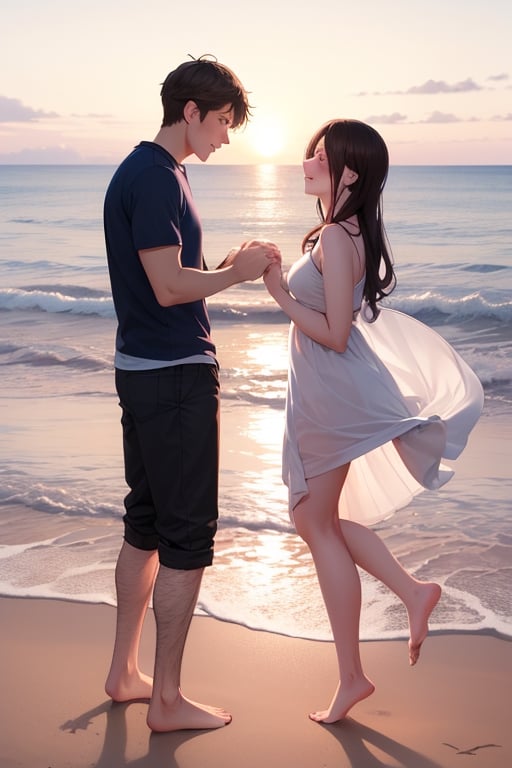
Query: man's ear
[(349, 176), (190, 110)]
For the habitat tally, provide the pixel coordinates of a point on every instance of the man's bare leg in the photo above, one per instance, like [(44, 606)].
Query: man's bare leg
[(419, 597), (174, 600), (135, 576)]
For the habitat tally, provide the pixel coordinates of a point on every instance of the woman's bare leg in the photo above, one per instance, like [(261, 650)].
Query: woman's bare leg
[(419, 597), (316, 520)]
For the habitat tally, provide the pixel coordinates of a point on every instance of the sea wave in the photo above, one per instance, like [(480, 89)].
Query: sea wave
[(478, 327), (18, 489), (67, 222), (495, 372), (430, 306), (32, 356), (437, 308), (55, 301), (485, 268)]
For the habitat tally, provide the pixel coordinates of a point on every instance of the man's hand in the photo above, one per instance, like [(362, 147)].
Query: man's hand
[(253, 258)]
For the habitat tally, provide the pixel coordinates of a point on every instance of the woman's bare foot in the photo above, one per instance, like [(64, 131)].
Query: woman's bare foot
[(127, 687), (183, 714), (425, 601), (343, 701)]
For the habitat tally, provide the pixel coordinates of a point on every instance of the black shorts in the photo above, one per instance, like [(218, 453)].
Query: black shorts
[(170, 425)]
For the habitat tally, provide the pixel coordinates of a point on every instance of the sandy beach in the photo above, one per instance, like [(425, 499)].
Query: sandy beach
[(54, 712)]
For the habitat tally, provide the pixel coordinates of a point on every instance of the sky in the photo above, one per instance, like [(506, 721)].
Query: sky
[(80, 81)]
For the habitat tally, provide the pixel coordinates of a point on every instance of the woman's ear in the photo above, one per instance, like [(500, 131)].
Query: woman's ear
[(349, 176), (190, 110)]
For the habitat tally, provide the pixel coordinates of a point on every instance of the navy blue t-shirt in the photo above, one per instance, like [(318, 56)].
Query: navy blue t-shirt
[(148, 204)]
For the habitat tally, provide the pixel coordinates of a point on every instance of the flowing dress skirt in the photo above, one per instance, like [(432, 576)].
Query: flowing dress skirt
[(394, 404)]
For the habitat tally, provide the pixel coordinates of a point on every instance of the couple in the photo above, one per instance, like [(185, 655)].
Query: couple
[(360, 418)]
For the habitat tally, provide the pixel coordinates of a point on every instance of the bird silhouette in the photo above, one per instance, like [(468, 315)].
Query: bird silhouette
[(471, 750)]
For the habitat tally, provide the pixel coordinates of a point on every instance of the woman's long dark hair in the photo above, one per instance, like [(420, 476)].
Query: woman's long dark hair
[(356, 145)]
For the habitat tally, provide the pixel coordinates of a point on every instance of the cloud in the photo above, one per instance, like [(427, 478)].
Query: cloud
[(431, 87), (391, 119), (440, 86), (498, 78), (442, 117), (435, 118), (14, 111)]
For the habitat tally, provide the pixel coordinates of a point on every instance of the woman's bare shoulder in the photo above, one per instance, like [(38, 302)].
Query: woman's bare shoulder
[(336, 236)]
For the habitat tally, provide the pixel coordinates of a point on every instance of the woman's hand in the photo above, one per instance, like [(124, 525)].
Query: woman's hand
[(272, 278)]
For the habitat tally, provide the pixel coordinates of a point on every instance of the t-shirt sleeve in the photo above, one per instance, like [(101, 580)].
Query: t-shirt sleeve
[(156, 205)]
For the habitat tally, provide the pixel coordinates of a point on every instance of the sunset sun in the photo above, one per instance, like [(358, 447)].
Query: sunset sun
[(266, 136)]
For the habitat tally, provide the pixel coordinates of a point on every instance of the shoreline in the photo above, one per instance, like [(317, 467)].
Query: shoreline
[(55, 713), (479, 632), (464, 524)]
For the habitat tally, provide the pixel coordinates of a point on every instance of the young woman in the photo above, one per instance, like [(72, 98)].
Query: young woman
[(375, 399)]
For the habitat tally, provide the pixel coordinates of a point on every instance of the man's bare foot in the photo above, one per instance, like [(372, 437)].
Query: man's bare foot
[(126, 687), (343, 701), (426, 599), (184, 714)]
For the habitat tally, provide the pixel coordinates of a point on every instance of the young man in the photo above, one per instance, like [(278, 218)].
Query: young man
[(167, 382)]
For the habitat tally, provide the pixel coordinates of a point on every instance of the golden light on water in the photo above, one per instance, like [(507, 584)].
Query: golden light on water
[(265, 353), (266, 430), (268, 351), (272, 555)]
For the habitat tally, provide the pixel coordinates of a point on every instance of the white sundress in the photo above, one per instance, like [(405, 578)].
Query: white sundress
[(397, 378)]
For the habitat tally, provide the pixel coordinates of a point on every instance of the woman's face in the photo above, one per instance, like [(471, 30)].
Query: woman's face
[(317, 179)]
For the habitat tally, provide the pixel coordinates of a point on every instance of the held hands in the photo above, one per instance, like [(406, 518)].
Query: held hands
[(252, 259)]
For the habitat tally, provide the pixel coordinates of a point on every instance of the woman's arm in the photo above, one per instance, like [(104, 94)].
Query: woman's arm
[(335, 256)]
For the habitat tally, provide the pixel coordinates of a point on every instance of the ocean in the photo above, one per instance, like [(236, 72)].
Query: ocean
[(62, 486)]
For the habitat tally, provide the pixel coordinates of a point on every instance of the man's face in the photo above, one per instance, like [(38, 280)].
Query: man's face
[(205, 137)]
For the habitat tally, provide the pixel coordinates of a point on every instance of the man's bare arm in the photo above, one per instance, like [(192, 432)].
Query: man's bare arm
[(174, 284)]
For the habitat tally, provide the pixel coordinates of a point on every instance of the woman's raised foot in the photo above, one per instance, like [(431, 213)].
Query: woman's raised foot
[(425, 600)]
